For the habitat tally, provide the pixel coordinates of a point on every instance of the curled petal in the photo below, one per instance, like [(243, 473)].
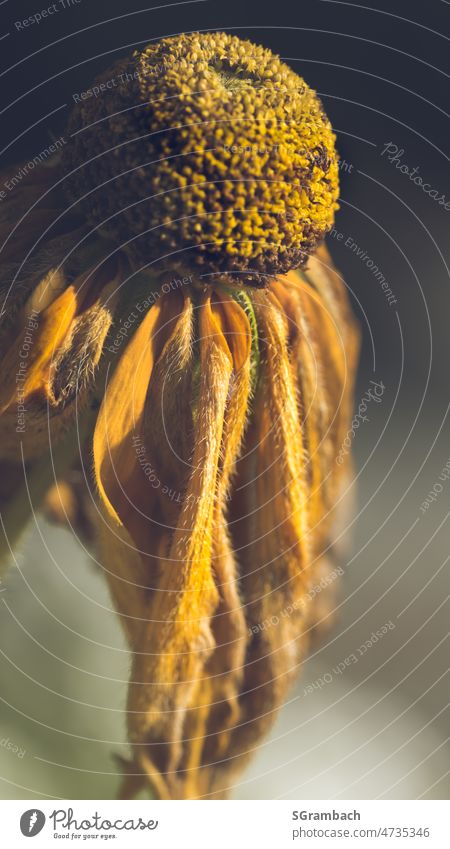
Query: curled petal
[(165, 681), (128, 533), (50, 365), (225, 667), (168, 583), (54, 327), (47, 385), (270, 535), (287, 479)]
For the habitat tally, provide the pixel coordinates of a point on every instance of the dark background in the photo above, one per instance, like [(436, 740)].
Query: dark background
[(382, 74)]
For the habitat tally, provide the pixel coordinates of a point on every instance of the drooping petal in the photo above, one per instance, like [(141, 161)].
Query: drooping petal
[(129, 536), (54, 327), (287, 479), (270, 533), (323, 350), (179, 637), (50, 365), (47, 385), (168, 582), (224, 669)]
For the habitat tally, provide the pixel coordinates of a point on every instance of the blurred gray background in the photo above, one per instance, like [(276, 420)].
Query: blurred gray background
[(379, 728)]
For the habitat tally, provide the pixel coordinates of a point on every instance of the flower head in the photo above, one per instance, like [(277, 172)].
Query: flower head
[(209, 151)]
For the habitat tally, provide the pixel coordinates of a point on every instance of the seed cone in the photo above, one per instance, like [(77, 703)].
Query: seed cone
[(206, 150)]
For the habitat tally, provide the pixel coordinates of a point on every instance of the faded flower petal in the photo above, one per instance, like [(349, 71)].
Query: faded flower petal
[(170, 581), (52, 360)]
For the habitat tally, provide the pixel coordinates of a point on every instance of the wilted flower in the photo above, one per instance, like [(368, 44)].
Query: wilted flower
[(213, 383)]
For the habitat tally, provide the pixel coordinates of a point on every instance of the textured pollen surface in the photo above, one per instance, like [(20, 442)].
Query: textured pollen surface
[(208, 151)]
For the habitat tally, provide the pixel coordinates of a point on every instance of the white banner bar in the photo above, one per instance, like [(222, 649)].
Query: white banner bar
[(226, 825)]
